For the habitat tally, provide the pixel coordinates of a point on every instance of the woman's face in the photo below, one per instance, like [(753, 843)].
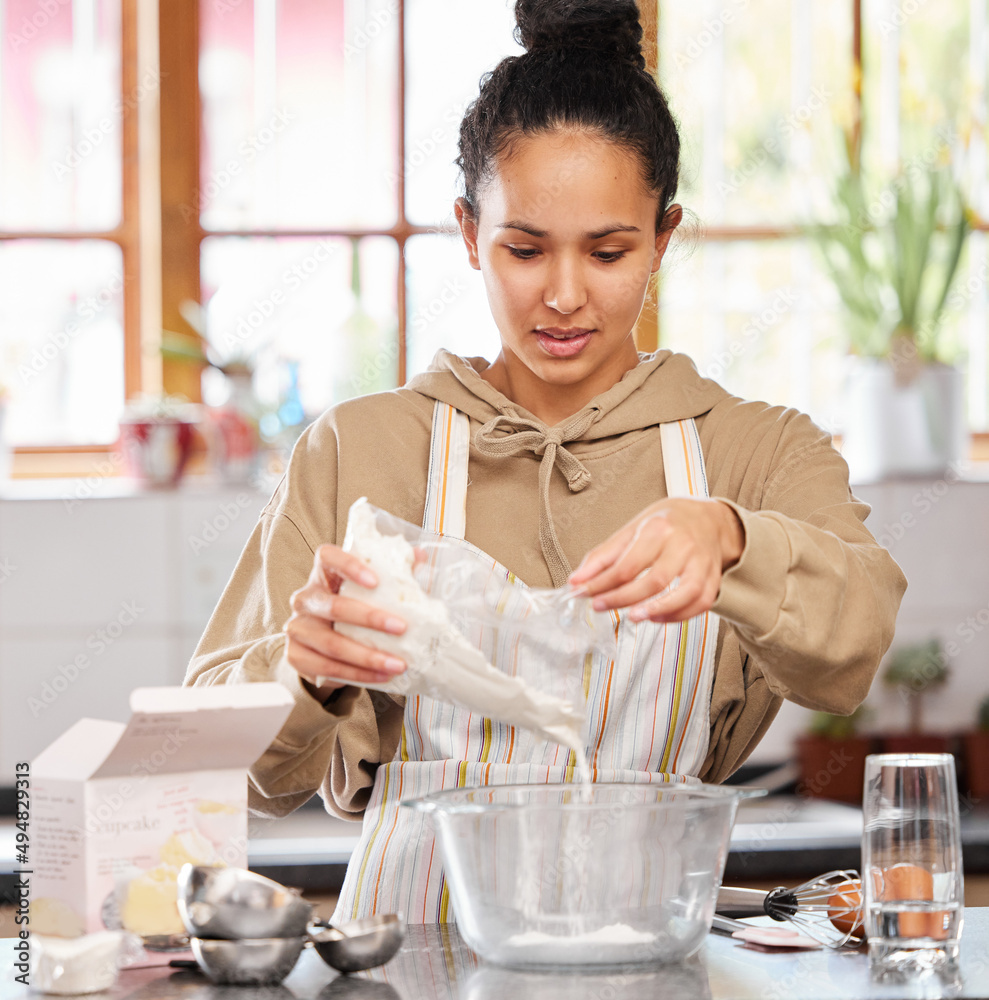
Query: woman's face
[(566, 243)]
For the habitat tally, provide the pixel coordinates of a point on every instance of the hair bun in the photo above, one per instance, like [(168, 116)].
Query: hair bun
[(607, 26)]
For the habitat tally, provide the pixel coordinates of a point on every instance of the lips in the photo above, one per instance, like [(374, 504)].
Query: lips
[(558, 333), (558, 342)]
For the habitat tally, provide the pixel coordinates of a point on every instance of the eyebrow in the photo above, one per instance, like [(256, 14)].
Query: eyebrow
[(596, 234)]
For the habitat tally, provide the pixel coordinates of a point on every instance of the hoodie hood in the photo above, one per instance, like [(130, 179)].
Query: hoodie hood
[(664, 386)]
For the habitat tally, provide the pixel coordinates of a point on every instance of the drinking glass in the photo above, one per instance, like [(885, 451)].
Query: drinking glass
[(911, 864)]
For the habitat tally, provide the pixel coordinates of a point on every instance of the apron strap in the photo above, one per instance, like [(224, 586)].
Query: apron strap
[(683, 461), (446, 485)]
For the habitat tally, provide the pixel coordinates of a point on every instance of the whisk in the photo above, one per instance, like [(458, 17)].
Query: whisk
[(827, 908)]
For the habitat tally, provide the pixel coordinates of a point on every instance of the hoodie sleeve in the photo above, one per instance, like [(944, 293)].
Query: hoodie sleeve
[(812, 601), (333, 748)]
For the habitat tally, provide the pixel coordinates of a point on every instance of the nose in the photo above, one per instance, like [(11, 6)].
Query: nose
[(565, 291)]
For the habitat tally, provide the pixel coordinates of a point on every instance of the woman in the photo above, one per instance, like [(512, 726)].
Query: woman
[(569, 450)]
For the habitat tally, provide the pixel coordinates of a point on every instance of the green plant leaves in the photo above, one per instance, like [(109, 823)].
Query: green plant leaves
[(893, 256)]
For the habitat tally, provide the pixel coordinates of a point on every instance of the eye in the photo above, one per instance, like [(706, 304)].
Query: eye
[(610, 256), (523, 253)]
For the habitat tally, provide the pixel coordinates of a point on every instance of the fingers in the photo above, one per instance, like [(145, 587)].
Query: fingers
[(318, 602), (334, 564), (311, 666), (652, 543), (691, 597), (676, 540), (600, 559), (316, 649), (677, 560)]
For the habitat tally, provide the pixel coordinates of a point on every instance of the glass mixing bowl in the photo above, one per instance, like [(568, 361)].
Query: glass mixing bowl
[(553, 875)]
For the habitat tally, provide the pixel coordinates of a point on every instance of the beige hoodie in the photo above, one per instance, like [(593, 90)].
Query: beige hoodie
[(806, 613)]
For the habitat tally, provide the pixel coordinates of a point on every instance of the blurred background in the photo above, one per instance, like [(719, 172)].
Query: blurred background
[(217, 218)]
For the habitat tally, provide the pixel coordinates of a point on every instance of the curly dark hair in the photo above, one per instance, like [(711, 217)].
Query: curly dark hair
[(583, 69)]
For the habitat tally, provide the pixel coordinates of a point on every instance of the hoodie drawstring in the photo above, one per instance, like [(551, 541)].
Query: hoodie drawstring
[(531, 436)]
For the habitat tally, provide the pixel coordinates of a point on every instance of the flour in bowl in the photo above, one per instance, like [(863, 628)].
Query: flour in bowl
[(611, 935), (605, 946)]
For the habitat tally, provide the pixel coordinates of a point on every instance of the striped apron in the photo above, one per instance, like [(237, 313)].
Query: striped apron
[(647, 708)]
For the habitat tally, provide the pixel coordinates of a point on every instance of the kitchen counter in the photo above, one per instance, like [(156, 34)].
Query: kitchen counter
[(781, 837), (778, 837), (435, 964)]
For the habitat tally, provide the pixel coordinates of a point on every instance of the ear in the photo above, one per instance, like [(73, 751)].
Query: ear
[(468, 230), (672, 218)]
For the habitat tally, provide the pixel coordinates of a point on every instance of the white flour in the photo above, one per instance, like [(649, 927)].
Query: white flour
[(441, 662), (605, 946), (613, 934)]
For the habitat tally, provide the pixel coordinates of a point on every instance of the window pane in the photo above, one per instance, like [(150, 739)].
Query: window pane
[(438, 91), (977, 167), (447, 305), (914, 92), (773, 330), (969, 313), (759, 89), (289, 302), (61, 309), (61, 112), (299, 102), (926, 86)]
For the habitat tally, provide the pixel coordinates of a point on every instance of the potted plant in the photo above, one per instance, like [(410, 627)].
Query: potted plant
[(976, 745), (893, 256), (914, 671), (832, 756)]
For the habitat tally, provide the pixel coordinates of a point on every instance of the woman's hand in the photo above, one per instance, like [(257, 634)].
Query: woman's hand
[(315, 649), (691, 539)]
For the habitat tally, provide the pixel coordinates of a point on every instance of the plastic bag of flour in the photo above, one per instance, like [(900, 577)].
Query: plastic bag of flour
[(463, 614)]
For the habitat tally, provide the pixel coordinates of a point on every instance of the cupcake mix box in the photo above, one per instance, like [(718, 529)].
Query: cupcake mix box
[(118, 808)]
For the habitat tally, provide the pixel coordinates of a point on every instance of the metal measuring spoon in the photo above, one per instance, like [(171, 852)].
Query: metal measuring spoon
[(362, 944)]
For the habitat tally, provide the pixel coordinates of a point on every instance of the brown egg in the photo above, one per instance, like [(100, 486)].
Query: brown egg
[(845, 908), (905, 881)]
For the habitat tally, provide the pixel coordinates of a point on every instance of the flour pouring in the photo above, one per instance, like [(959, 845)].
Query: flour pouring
[(442, 663)]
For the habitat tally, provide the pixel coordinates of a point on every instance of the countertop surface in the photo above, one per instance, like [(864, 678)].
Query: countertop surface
[(781, 837), (435, 964)]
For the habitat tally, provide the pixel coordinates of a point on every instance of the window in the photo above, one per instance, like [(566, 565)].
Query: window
[(326, 215), (767, 92), (311, 211), (62, 132)]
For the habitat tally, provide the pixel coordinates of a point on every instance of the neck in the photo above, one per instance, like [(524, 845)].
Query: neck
[(553, 403)]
